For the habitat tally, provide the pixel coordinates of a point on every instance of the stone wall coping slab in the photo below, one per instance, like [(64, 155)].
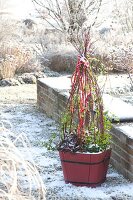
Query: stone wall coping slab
[(117, 109)]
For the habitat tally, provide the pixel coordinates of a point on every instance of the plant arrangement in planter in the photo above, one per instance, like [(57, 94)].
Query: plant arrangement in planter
[(84, 146)]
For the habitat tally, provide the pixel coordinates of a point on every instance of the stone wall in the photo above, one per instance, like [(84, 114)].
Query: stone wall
[(52, 101), (122, 152)]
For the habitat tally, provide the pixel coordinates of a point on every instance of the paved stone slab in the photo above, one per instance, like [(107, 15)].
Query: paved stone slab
[(118, 109), (58, 83), (111, 83), (126, 128)]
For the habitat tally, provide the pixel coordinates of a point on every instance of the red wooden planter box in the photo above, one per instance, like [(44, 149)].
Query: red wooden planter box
[(85, 169)]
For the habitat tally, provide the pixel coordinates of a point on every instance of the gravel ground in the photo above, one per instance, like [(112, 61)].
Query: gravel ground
[(18, 105), (18, 94)]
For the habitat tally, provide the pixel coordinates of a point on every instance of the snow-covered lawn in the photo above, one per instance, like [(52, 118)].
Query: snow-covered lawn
[(25, 117)]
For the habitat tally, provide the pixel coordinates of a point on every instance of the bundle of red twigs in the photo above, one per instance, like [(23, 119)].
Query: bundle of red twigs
[(85, 100)]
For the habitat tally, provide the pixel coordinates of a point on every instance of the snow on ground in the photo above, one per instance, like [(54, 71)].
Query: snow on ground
[(23, 114)]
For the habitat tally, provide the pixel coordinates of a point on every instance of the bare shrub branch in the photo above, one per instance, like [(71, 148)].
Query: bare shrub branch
[(74, 18)]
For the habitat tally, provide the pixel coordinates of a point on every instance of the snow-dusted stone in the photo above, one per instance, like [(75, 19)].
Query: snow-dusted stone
[(9, 82), (118, 109), (27, 78), (58, 83), (127, 129)]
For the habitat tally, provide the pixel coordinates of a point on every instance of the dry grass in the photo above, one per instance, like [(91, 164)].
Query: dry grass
[(16, 60), (20, 179)]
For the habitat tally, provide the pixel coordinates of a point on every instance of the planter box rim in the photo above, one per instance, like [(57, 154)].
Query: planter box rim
[(92, 153)]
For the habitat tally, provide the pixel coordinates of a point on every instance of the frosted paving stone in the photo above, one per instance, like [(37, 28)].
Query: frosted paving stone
[(57, 83), (127, 129), (111, 83), (118, 109)]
